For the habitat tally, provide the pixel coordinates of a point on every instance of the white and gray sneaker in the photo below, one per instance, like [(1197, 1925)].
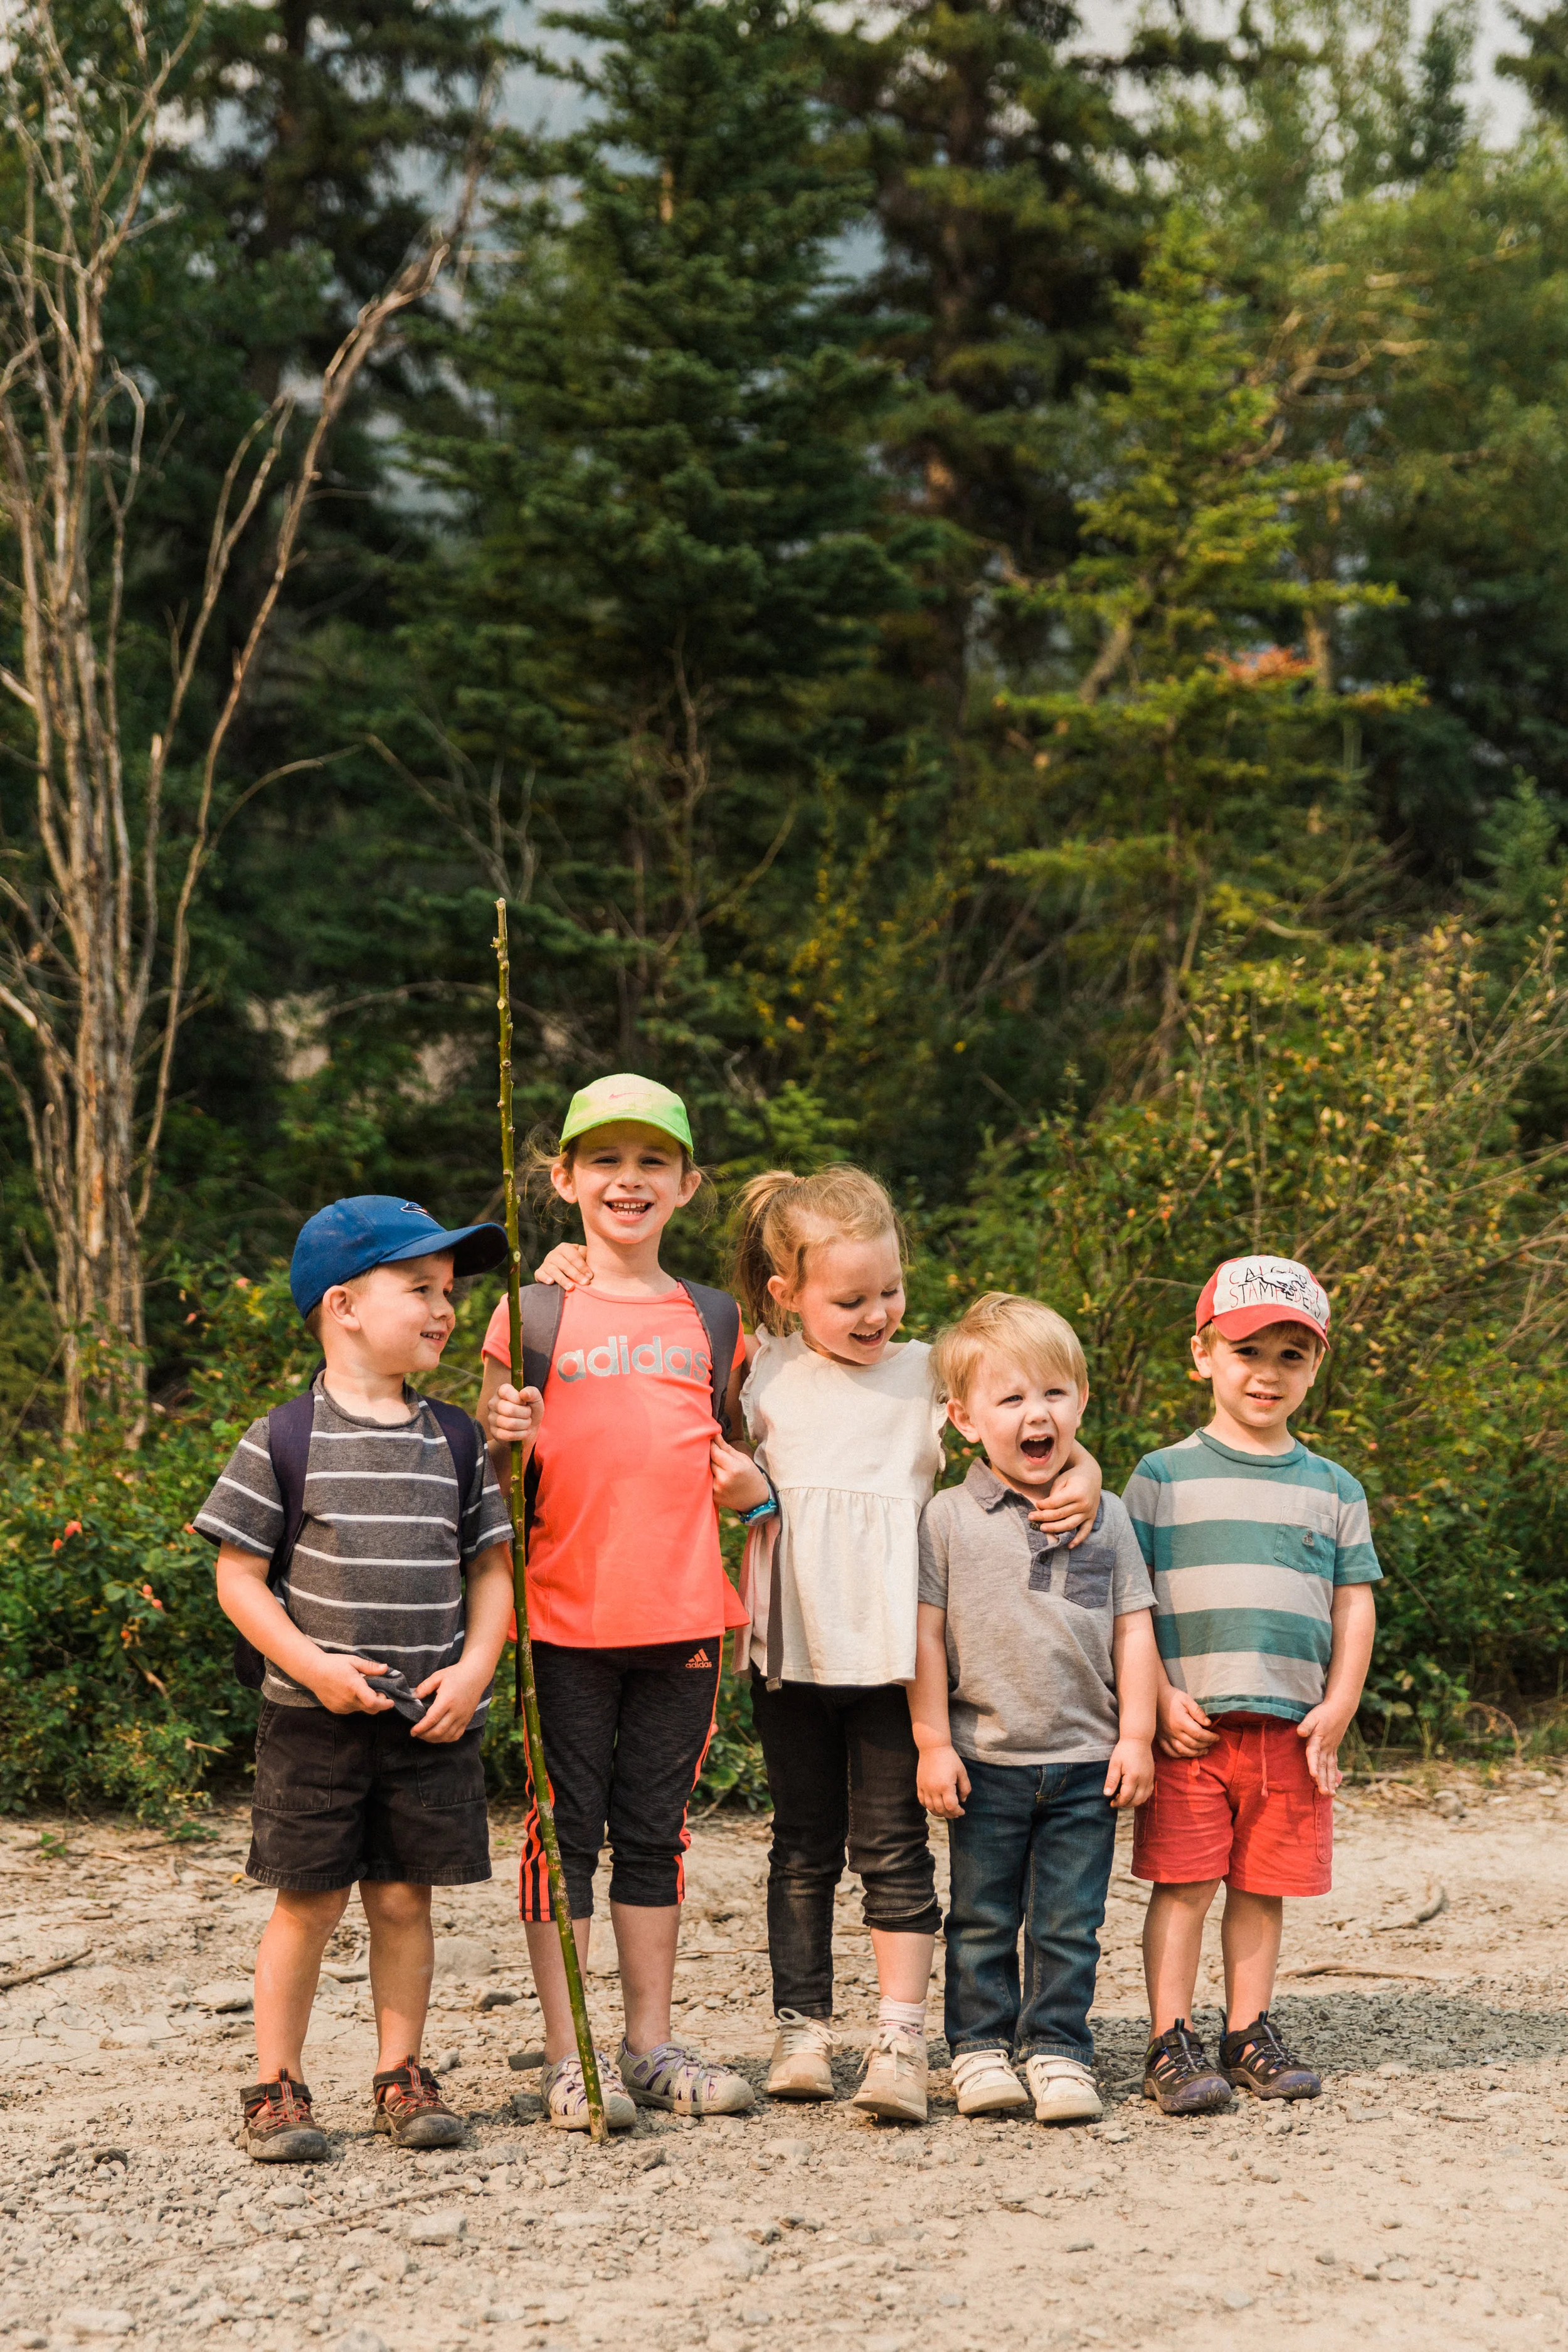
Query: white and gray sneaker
[(893, 2086), (671, 2076), (1063, 2091), (984, 2084), (802, 2064), (565, 2095)]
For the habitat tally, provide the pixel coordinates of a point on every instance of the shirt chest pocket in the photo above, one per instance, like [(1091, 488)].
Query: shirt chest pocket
[(1088, 1572), (1308, 1550)]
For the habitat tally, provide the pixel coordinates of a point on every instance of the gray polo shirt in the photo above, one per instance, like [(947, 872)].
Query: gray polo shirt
[(1029, 1623)]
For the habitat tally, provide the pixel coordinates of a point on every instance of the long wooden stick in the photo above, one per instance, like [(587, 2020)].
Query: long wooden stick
[(527, 1694)]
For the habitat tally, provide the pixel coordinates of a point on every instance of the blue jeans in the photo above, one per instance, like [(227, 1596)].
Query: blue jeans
[(1033, 1849)]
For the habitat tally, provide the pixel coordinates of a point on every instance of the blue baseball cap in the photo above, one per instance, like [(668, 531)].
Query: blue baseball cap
[(378, 1229)]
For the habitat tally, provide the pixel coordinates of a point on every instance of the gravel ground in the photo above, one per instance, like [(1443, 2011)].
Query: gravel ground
[(1424, 2197)]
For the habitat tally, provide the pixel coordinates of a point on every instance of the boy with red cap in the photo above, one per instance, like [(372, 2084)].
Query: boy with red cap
[(1263, 1566)]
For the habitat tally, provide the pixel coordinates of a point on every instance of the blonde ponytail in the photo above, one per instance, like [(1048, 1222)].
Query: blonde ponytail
[(779, 1217)]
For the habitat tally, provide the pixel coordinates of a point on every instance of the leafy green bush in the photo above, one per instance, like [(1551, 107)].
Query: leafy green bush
[(116, 1677), (1358, 1112)]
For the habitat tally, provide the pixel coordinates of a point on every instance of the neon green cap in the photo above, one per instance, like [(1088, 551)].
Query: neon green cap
[(626, 1095)]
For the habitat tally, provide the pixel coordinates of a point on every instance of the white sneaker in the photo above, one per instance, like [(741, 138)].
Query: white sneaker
[(985, 2085), (1063, 2091), (893, 2085), (801, 2062), (565, 2095)]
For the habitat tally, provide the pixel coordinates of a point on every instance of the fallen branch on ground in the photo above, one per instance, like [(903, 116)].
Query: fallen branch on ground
[(45, 1969)]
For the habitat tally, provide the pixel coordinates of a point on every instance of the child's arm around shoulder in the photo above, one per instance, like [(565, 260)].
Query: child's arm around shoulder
[(1074, 1497)]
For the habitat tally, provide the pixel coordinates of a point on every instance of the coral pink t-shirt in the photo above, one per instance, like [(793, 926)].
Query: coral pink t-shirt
[(623, 1548)]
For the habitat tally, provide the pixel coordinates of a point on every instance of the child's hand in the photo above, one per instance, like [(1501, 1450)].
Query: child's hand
[(453, 1696), (340, 1684), (515, 1416), (1184, 1727), (738, 1484), (1323, 1732), (566, 1267), (1129, 1775), (1072, 1502), (942, 1782)]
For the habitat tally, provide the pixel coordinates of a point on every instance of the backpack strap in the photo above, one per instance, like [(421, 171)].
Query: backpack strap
[(288, 1428), (461, 1432), (543, 1303), (721, 1320)]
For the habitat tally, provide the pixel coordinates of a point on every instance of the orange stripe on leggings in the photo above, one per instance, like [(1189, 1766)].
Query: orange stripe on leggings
[(533, 1869)]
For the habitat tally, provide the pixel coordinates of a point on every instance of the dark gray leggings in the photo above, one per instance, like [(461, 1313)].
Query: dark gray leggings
[(841, 1770), (625, 1732)]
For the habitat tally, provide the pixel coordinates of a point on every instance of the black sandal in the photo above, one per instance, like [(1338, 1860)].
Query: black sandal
[(1177, 2074), (1255, 2059)]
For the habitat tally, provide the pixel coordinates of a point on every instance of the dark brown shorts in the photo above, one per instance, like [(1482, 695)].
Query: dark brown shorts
[(340, 1798)]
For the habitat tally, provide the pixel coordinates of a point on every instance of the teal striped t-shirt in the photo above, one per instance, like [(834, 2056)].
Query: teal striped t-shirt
[(1245, 1551)]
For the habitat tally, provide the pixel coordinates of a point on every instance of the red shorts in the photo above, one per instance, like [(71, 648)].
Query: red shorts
[(1248, 1812)]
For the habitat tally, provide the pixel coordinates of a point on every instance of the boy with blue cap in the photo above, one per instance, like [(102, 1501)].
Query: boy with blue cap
[(364, 1555)]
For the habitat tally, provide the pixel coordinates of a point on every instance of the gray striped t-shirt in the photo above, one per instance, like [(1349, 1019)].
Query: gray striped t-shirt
[(1246, 1551), (377, 1571)]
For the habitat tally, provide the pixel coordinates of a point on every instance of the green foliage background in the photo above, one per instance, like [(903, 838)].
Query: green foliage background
[(992, 605)]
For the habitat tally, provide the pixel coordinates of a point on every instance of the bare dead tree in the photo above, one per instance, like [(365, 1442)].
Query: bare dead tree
[(95, 902)]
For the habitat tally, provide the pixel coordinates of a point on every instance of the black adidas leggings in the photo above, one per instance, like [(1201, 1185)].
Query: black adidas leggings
[(625, 1732)]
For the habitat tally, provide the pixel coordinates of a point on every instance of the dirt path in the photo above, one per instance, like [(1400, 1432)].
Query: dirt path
[(1424, 2197)]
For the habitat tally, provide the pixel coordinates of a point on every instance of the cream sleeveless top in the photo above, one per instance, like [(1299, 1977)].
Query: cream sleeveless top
[(853, 1452)]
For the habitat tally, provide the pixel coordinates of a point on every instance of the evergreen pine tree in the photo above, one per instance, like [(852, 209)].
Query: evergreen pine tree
[(325, 126), (672, 557), (1009, 206), (1197, 773), (1543, 67)]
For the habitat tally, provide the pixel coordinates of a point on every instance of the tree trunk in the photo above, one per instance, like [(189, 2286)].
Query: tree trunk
[(92, 912)]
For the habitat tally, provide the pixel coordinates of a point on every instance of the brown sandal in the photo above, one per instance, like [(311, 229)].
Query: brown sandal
[(410, 2110), (279, 2126)]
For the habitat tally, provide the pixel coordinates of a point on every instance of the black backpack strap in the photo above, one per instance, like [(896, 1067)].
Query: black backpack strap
[(462, 1435), (721, 1320), (543, 1303), (288, 1428)]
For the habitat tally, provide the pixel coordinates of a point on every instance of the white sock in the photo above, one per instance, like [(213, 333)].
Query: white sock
[(909, 2016)]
